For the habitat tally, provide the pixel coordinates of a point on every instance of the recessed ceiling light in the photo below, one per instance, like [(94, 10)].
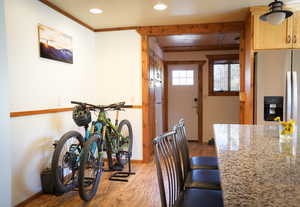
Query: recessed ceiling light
[(96, 11), (160, 6)]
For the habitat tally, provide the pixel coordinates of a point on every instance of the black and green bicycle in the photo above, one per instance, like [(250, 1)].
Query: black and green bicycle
[(79, 161)]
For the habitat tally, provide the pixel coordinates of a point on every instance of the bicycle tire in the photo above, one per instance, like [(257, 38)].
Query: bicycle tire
[(84, 163), (121, 156), (60, 186)]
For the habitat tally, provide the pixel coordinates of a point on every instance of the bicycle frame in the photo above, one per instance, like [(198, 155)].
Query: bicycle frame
[(107, 131)]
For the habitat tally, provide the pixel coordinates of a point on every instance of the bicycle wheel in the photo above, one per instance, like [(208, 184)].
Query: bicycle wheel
[(65, 161), (91, 168), (125, 142)]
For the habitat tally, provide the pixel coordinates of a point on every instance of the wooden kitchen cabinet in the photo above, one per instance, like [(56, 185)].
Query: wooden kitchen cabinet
[(296, 30), (260, 35), (268, 36)]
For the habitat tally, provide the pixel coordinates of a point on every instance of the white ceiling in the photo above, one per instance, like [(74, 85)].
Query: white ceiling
[(123, 13)]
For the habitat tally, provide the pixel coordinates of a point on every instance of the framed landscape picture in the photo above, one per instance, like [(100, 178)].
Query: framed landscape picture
[(55, 45)]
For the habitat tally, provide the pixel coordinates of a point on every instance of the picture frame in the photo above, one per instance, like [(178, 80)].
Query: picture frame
[(55, 45)]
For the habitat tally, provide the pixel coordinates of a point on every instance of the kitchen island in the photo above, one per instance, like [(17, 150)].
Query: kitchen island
[(256, 167)]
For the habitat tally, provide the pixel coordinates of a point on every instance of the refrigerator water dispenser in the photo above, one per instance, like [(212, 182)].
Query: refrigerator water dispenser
[(273, 107)]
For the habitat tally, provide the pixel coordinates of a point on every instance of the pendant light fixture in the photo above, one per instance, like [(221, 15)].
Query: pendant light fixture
[(276, 14)]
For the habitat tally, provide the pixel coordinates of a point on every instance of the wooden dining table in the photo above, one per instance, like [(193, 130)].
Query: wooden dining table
[(257, 167)]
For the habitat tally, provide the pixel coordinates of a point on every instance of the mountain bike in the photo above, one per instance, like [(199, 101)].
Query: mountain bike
[(79, 161)]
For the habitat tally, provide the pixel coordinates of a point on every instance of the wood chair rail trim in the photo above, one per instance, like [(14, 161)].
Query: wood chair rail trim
[(49, 111)]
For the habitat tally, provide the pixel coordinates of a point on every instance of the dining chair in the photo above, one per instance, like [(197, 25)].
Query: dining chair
[(170, 179), (194, 178), (195, 162)]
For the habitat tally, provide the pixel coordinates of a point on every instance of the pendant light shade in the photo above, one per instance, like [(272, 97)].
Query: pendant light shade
[(276, 15)]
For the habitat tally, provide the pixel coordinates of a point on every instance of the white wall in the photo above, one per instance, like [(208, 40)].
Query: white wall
[(37, 83), (5, 178), (106, 69), (118, 59), (216, 109)]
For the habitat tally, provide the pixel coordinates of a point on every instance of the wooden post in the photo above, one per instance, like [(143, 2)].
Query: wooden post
[(147, 145), (242, 77)]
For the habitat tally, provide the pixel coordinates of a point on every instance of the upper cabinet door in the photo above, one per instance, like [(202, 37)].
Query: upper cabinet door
[(296, 30), (268, 36)]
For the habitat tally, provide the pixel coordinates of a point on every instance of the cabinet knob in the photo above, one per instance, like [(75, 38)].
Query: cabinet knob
[(289, 39), (294, 39)]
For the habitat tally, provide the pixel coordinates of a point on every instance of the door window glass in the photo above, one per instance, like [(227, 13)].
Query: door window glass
[(182, 77)]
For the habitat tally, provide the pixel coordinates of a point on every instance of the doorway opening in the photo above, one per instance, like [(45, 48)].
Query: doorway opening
[(185, 54)]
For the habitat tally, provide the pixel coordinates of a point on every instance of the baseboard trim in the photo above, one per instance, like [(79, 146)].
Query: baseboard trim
[(196, 140), (36, 195), (28, 200), (137, 161)]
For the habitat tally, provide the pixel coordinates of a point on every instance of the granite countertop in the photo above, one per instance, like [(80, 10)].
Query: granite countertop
[(256, 167)]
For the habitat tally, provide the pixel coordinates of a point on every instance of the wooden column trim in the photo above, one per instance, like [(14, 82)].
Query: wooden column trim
[(165, 97), (200, 102), (247, 98), (147, 145), (242, 77)]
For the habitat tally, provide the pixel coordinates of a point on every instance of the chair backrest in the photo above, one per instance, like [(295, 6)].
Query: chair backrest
[(183, 147), (168, 169)]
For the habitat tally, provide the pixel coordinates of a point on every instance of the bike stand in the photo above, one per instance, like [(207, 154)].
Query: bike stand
[(117, 176)]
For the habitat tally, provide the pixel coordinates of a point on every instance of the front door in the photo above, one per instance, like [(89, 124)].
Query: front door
[(183, 100)]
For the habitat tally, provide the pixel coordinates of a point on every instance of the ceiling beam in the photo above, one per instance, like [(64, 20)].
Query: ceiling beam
[(201, 48), (209, 28)]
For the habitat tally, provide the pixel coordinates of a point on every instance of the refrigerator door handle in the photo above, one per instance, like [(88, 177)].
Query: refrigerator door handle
[(294, 96), (288, 96)]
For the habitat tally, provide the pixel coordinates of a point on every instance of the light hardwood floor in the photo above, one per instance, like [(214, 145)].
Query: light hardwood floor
[(141, 190)]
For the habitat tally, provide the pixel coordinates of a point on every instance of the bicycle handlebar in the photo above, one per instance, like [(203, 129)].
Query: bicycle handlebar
[(111, 106)]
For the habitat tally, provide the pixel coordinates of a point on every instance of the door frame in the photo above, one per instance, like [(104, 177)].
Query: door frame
[(207, 28), (200, 94)]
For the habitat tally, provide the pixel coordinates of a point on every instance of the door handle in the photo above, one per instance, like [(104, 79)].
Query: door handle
[(288, 96), (294, 39), (295, 96)]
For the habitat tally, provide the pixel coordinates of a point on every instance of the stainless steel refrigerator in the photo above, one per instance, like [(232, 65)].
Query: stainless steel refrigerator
[(277, 74)]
